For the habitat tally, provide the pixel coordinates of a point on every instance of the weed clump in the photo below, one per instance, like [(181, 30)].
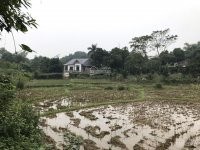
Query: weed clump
[(116, 142), (89, 145), (70, 114), (93, 131), (88, 114), (138, 147), (115, 127), (121, 88), (20, 85), (73, 141), (76, 122), (158, 86), (109, 88)]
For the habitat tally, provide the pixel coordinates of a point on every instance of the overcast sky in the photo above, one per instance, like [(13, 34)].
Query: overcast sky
[(66, 26)]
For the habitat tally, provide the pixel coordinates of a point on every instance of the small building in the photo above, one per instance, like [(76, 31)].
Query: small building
[(77, 66), (84, 66), (182, 64), (101, 71)]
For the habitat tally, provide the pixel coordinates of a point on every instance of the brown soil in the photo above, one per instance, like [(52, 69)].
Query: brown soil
[(55, 129), (90, 145), (93, 131), (126, 132), (116, 142), (70, 114), (88, 114), (51, 142), (76, 122), (115, 127), (43, 123), (137, 147)]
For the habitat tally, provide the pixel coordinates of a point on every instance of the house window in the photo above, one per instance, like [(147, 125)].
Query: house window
[(71, 68)]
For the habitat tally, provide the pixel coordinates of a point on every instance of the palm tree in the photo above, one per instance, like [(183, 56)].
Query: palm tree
[(92, 49)]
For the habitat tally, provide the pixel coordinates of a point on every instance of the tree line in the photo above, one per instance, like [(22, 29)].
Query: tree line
[(137, 61), (125, 61)]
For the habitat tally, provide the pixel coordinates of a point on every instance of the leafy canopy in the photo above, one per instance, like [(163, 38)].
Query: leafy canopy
[(12, 17)]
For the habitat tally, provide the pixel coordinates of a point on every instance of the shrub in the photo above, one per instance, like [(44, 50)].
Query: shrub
[(18, 121), (48, 76), (121, 88), (73, 141), (119, 77), (158, 78), (20, 84), (36, 75), (6, 90), (99, 76), (78, 75), (19, 127), (158, 86), (109, 88), (149, 76)]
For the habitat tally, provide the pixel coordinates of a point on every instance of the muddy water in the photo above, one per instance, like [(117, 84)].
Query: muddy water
[(145, 125)]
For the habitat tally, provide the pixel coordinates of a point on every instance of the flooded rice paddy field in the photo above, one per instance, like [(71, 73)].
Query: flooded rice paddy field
[(138, 126), (58, 104)]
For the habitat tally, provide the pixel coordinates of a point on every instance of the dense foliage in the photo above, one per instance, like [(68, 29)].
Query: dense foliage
[(136, 62), (18, 122), (12, 15)]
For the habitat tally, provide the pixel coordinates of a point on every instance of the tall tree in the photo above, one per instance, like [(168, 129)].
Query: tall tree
[(167, 58), (55, 66), (92, 49), (99, 57), (192, 52), (134, 63), (118, 57), (179, 54), (160, 40), (141, 44)]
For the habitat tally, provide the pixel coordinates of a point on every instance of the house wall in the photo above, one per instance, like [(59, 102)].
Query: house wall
[(73, 68), (69, 66)]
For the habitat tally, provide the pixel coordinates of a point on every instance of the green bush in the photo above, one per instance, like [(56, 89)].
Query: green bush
[(100, 76), (109, 88), (19, 123), (19, 127), (158, 86), (121, 88), (20, 84), (48, 76), (73, 141), (6, 90), (78, 75), (119, 77)]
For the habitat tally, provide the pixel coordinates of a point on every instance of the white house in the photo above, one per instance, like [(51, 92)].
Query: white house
[(83, 66), (77, 66)]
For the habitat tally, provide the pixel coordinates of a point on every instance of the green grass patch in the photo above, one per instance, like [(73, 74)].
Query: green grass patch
[(99, 92)]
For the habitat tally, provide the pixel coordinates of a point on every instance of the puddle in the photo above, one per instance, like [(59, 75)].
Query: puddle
[(144, 125)]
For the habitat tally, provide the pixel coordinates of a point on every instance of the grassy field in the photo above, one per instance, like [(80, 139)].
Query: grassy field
[(93, 93)]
